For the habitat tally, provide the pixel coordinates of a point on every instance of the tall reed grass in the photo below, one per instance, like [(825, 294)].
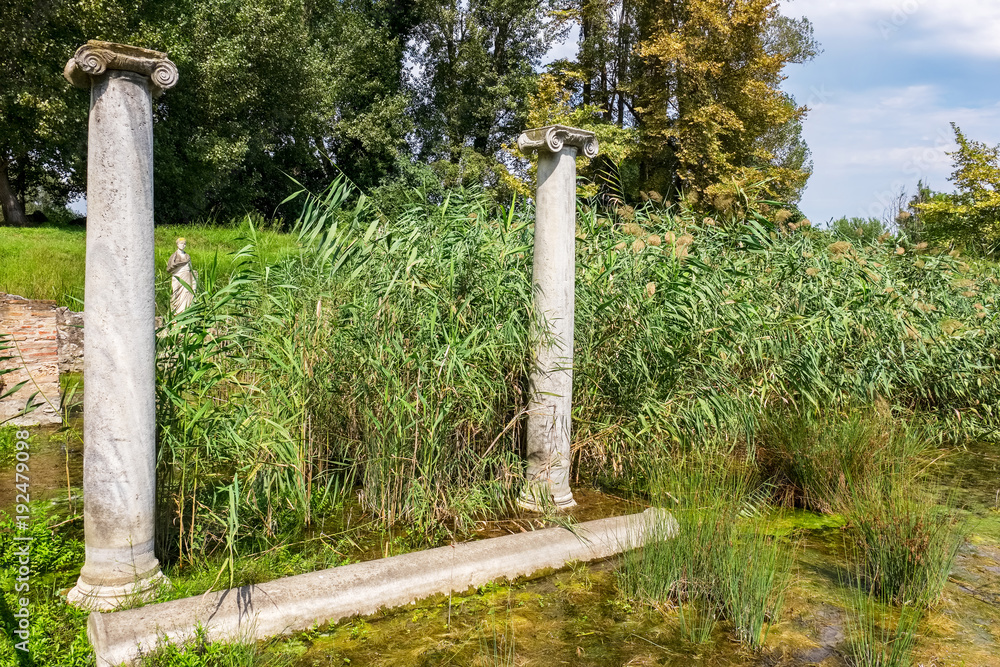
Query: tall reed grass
[(385, 362)]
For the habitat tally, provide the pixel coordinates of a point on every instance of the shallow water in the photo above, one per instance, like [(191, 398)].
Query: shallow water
[(576, 617), (55, 466)]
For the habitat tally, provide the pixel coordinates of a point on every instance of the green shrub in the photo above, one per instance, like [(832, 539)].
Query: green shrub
[(58, 631)]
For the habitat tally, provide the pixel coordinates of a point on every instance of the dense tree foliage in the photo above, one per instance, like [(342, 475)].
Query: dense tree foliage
[(684, 94), (710, 91), (699, 81), (971, 215), (476, 63), (276, 89), (41, 120)]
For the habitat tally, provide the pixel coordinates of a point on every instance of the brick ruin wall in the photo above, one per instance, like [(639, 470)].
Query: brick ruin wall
[(38, 342)]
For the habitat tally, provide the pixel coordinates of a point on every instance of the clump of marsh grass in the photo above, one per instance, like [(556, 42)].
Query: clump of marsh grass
[(754, 575), (907, 543), (718, 560), (879, 633), (677, 566), (874, 469), (819, 458), (498, 647)]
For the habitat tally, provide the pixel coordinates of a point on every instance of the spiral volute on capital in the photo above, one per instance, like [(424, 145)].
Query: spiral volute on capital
[(90, 61), (96, 58), (555, 139), (165, 75)]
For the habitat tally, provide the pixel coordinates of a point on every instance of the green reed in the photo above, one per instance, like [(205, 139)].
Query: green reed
[(385, 362), (718, 561)]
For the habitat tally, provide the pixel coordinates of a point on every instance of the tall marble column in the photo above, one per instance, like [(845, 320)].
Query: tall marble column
[(551, 380), (119, 404)]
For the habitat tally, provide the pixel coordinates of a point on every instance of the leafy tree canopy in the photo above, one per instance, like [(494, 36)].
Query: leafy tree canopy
[(693, 87), (971, 215), (684, 95), (41, 120)]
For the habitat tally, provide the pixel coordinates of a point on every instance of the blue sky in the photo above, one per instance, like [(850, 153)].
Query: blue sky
[(892, 76)]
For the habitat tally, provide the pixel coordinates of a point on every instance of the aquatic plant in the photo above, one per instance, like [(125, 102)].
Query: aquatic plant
[(498, 643), (677, 564), (880, 635), (754, 575), (873, 468), (718, 560), (907, 543), (818, 458)]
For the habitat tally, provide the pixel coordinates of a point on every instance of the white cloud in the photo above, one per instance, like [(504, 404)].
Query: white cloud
[(894, 75), (918, 26), (869, 144)]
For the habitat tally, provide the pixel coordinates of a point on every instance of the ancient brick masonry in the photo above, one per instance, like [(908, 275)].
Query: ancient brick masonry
[(34, 355), (43, 341)]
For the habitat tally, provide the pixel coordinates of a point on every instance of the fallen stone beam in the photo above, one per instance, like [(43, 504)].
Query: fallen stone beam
[(297, 603)]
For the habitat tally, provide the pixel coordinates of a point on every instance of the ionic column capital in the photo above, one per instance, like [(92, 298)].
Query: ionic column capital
[(95, 58), (554, 137)]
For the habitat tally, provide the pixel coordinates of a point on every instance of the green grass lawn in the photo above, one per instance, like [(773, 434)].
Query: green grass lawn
[(47, 262)]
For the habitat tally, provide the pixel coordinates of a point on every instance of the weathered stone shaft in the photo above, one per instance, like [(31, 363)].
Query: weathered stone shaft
[(551, 380)]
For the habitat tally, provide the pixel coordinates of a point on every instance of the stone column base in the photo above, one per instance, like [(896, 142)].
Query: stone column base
[(537, 497), (109, 598)]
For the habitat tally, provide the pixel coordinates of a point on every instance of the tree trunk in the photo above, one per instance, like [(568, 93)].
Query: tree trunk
[(605, 94), (13, 211), (585, 34)]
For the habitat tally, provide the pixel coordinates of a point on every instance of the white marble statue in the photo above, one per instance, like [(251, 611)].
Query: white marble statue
[(183, 278)]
